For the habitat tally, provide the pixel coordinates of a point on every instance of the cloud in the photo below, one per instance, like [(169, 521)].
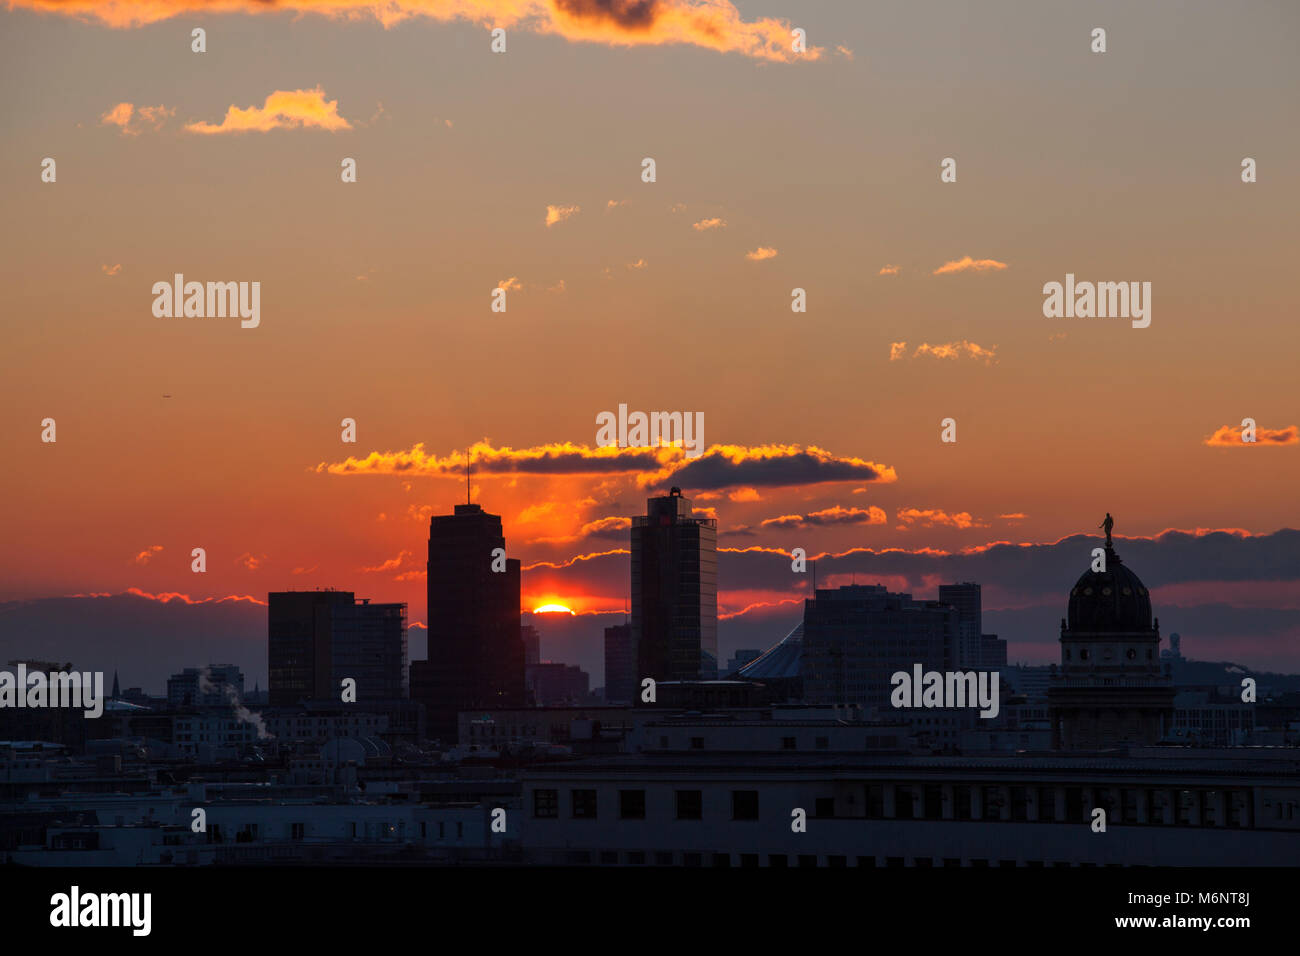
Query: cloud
[(946, 350), (392, 564), (639, 264), (1229, 436), (556, 214), (768, 466), (305, 570), (930, 518), (509, 284), (112, 270), (165, 597), (706, 224), (744, 494), (967, 264), (558, 287), (615, 203), (131, 121), (761, 253), (1014, 516), (830, 516), (283, 109), (721, 466), (888, 270), (143, 557), (250, 561), (709, 24)]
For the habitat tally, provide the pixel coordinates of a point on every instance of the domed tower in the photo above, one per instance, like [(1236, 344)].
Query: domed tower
[(1111, 688)]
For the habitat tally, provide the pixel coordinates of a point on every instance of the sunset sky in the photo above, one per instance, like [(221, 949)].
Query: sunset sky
[(775, 171)]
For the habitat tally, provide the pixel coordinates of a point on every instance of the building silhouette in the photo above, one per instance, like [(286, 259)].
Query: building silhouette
[(1111, 688), (476, 648), (856, 636), (674, 591), (620, 664), (316, 639)]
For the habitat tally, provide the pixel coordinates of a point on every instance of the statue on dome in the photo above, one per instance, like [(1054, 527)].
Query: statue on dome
[(1107, 525)]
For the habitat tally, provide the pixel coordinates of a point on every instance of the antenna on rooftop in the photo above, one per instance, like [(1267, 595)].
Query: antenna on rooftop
[(467, 470)]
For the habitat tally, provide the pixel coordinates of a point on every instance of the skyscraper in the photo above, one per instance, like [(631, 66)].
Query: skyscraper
[(674, 591), (315, 639), (476, 651)]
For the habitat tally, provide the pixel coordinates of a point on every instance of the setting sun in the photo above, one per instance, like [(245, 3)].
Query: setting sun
[(552, 608)]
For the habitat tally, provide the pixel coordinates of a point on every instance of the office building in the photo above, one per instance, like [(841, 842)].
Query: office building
[(674, 591)]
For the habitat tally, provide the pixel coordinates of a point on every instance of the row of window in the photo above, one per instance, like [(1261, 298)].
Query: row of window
[(783, 860), (926, 802), (632, 803)]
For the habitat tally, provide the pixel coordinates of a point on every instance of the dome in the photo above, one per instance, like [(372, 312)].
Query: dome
[(1114, 600)]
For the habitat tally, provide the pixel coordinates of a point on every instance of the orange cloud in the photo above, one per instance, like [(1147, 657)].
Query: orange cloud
[(615, 203), (1014, 516), (967, 264), (705, 224), (745, 494), (143, 557), (168, 596), (392, 564), (929, 518), (112, 270), (710, 24), (131, 121), (946, 350), (250, 561), (761, 253), (639, 264), (1229, 436), (888, 270), (283, 109), (829, 516), (556, 214), (509, 284), (721, 466)]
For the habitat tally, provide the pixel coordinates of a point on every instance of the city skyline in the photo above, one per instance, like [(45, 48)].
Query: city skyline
[(822, 429)]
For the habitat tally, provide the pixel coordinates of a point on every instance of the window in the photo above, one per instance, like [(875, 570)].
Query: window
[(584, 804), (691, 859), (690, 805), (823, 743), (744, 804), (825, 807), (697, 743), (787, 743), (631, 804), (296, 831), (608, 857), (546, 805), (663, 859)]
